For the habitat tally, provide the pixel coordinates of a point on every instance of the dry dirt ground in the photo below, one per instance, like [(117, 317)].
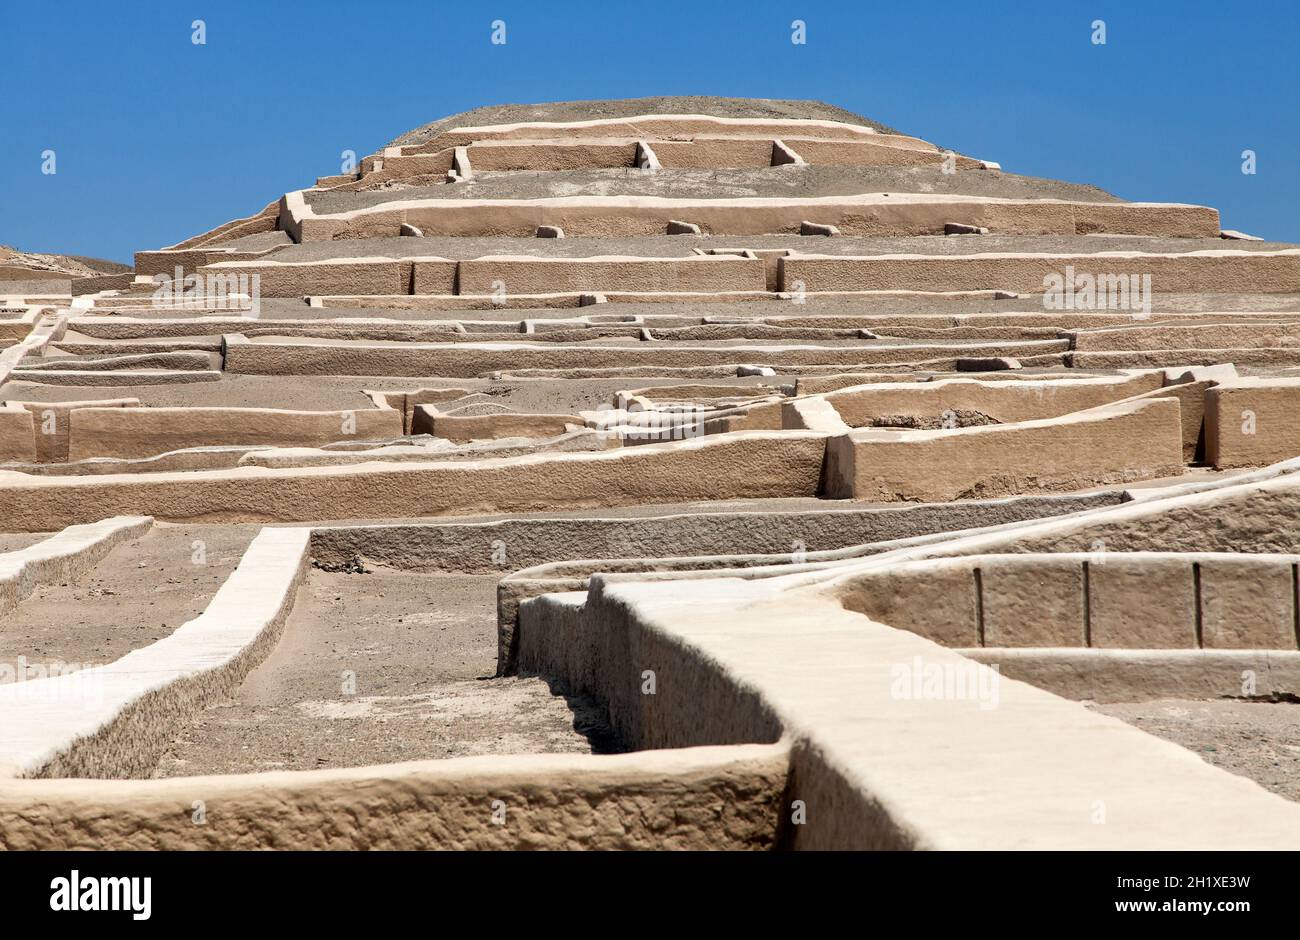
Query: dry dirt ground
[(138, 594), (1259, 740), (384, 667)]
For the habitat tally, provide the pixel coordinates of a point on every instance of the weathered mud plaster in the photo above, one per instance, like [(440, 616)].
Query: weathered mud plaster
[(1252, 422), (873, 214), (267, 356), (1111, 444), (134, 433), (690, 799), (747, 465), (1185, 272)]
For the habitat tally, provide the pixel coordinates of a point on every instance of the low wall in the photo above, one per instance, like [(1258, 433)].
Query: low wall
[(550, 155), (1113, 444), (337, 276), (64, 556), (167, 260), (52, 423), (404, 166), (1251, 422), (916, 773), (1188, 336), (17, 433), (467, 360), (862, 215), (821, 152), (726, 798), (144, 432), (1109, 600), (655, 126), (117, 720), (1189, 272), (95, 283), (714, 153), (741, 466), (470, 547), (344, 275)]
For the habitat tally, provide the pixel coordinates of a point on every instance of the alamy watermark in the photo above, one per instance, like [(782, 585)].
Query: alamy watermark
[(81, 682), (946, 681), (668, 423), (1073, 291), (212, 291)]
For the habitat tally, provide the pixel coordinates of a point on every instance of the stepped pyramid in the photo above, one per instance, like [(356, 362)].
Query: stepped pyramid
[(655, 474)]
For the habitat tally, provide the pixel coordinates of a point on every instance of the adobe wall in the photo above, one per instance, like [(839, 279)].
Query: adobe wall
[(1189, 336), (466, 360), (1251, 422), (117, 719), (753, 465), (655, 126), (1189, 272), (167, 260), (17, 433), (401, 166), (556, 275), (664, 799), (468, 547), (338, 276), (52, 423), (866, 215), (708, 153), (1191, 409), (920, 780), (1111, 444), (344, 275), (1125, 675), (64, 556), (132, 433), (550, 155), (1111, 600), (822, 152)]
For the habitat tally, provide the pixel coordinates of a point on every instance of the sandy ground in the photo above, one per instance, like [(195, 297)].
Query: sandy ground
[(138, 594), (422, 651), (1259, 740)]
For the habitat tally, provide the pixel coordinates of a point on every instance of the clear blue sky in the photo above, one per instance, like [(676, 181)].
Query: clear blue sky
[(158, 139)]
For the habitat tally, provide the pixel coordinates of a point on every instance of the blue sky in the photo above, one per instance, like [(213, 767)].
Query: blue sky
[(157, 139)]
